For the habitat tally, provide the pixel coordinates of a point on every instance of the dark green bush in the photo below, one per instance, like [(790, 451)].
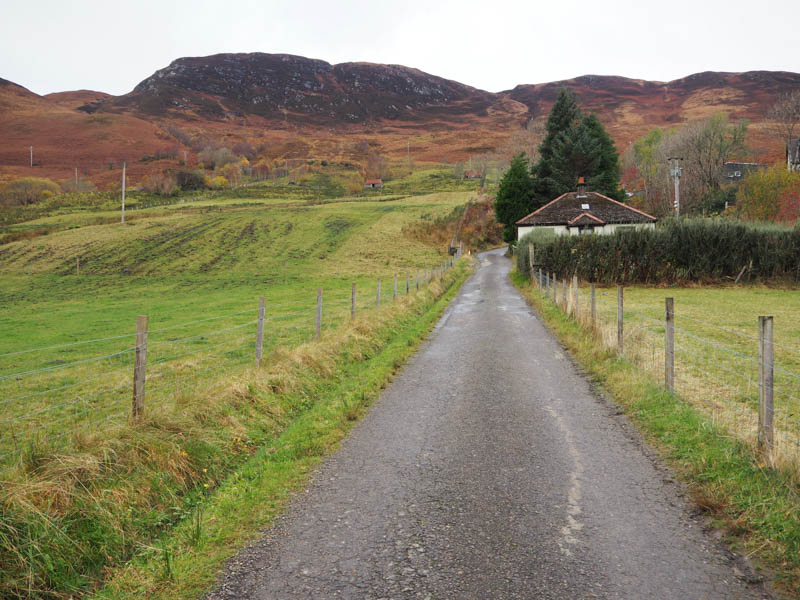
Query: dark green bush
[(678, 251), (191, 180)]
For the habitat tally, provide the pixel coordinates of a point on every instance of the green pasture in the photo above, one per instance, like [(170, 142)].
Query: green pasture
[(716, 355), (69, 300)]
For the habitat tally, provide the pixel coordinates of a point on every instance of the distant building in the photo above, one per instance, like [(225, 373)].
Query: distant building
[(582, 212), (373, 184), (473, 174), (734, 172), (793, 155)]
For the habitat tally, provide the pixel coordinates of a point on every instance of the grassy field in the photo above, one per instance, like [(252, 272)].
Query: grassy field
[(197, 275), (756, 507), (84, 487), (716, 351)]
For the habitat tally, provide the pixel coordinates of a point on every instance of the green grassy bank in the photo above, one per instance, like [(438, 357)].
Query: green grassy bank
[(153, 509), (757, 508)]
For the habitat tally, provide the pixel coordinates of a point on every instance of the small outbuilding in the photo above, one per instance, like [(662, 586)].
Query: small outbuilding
[(734, 172), (581, 212), (373, 184)]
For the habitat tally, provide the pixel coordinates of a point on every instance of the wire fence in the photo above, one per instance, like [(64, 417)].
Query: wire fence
[(745, 383), (49, 406)]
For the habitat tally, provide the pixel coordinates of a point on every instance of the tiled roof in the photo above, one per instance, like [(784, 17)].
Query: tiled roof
[(372, 181), (595, 207)]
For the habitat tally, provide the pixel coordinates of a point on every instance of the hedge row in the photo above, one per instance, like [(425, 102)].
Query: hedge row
[(675, 252)]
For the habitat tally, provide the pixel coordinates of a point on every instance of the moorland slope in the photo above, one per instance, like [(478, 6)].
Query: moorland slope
[(291, 107)]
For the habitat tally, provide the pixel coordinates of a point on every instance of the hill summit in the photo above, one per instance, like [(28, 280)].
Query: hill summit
[(274, 85)]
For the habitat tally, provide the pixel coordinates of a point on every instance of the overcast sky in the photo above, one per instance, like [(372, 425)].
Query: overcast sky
[(57, 45)]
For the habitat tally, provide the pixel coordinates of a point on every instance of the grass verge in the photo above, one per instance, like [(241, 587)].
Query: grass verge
[(758, 507), (330, 384)]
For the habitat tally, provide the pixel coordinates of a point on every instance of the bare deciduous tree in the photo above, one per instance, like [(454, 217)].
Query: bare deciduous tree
[(784, 116), (705, 147)]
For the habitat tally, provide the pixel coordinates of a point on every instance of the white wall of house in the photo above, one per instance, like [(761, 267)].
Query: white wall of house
[(606, 229)]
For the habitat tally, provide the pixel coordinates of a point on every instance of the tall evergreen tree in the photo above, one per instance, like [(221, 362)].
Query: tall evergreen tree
[(605, 178), (575, 146), (513, 199), (563, 116)]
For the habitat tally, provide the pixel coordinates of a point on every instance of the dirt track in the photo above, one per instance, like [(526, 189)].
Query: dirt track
[(489, 469)]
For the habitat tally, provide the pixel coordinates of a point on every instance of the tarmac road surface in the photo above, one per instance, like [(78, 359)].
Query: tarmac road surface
[(490, 469)]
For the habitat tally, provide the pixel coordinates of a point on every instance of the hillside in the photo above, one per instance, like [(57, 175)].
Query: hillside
[(631, 107), (271, 85), (290, 107)]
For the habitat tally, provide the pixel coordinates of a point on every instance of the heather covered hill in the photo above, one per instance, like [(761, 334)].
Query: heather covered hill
[(270, 85), (631, 107), (296, 108)]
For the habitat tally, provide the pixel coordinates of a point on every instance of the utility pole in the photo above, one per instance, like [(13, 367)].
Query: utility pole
[(31, 155), (408, 147), (676, 171), (184, 157), (76, 179), (123, 193)]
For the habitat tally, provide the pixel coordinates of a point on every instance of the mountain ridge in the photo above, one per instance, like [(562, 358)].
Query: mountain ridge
[(301, 104)]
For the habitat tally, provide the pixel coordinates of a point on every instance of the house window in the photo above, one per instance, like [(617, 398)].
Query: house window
[(585, 230), (584, 207)]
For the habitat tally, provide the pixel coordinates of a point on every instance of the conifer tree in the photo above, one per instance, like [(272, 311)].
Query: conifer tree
[(575, 146), (563, 116), (513, 199)]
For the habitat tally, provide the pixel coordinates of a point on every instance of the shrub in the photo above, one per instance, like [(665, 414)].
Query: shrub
[(161, 184), (217, 182), (190, 180), (216, 158), (760, 192), (679, 251), (27, 190)]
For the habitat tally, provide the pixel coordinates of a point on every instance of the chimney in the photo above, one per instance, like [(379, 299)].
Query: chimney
[(581, 188)]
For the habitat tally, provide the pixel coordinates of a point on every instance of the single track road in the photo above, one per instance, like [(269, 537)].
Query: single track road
[(489, 468)]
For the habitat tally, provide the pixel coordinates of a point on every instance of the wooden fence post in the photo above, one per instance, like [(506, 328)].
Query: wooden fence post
[(353, 302), (139, 366), (417, 280), (394, 294), (669, 348), (378, 295), (407, 283), (530, 259), (554, 286), (575, 295), (620, 346), (564, 294), (594, 306), (260, 331), (319, 313), (766, 408)]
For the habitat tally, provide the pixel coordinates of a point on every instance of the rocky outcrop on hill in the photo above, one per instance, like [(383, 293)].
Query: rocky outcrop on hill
[(272, 85)]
